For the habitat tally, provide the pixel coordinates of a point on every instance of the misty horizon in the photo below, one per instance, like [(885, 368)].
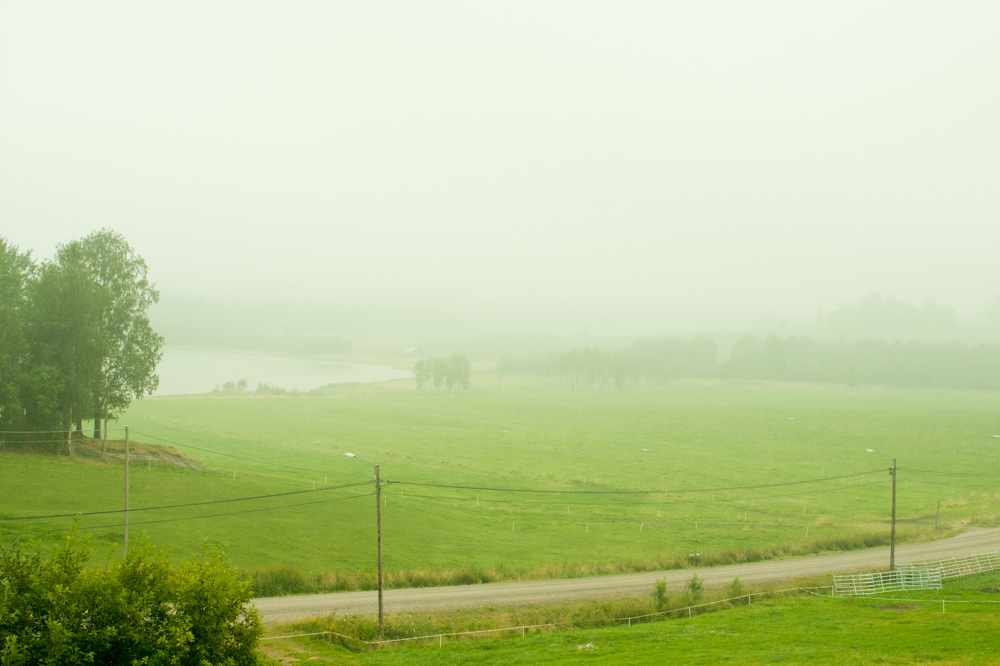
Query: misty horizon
[(544, 167)]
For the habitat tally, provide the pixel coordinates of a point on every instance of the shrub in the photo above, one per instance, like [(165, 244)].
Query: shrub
[(695, 587), (138, 610), (660, 595)]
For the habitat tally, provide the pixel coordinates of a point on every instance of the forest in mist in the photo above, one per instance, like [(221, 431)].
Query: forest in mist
[(300, 328)]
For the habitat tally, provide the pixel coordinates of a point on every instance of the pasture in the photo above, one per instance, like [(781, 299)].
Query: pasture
[(525, 479), (812, 630)]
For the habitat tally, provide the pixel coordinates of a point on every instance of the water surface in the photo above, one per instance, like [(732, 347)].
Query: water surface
[(185, 371)]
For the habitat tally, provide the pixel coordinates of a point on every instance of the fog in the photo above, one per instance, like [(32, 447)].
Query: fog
[(516, 166)]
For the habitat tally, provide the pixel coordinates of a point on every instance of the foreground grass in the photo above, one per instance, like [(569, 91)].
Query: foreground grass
[(798, 630), (527, 480)]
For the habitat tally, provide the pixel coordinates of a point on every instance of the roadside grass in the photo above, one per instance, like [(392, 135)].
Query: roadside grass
[(529, 479), (793, 630), (478, 623)]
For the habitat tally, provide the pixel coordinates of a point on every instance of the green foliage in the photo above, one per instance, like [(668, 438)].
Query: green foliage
[(127, 346), (63, 331), (16, 269), (138, 610), (453, 371), (736, 588), (75, 339), (660, 596), (695, 587)]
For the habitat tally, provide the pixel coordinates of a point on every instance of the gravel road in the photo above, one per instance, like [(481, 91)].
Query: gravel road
[(283, 609)]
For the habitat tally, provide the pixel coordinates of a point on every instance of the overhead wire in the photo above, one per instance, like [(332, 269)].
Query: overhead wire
[(938, 472), (212, 515), (177, 506), (658, 491), (229, 455)]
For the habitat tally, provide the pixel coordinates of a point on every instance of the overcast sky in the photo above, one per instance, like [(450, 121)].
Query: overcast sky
[(615, 165)]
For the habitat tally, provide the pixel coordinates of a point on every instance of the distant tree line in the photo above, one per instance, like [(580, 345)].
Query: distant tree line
[(771, 357), (75, 338), (946, 364), (647, 361), (450, 372), (876, 312)]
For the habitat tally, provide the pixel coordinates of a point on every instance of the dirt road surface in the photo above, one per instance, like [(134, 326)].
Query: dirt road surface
[(284, 609)]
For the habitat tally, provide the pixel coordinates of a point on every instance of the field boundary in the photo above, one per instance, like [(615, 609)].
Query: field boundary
[(914, 576), (690, 611)]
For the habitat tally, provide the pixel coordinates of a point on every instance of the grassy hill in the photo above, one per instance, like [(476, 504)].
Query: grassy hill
[(527, 479)]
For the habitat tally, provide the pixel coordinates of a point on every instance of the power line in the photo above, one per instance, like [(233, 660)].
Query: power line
[(33, 432), (676, 491), (726, 500), (212, 515), (177, 506), (229, 455), (943, 473)]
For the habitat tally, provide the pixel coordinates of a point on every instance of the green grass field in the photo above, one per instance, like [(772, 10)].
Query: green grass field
[(907, 629), (528, 479)]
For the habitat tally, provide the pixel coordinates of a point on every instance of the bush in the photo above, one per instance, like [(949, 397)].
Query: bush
[(695, 587), (660, 595), (138, 610)]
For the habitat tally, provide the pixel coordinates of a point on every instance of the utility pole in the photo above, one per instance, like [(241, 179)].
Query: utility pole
[(892, 530), (378, 523), (125, 544)]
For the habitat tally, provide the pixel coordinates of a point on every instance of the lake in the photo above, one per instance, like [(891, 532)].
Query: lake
[(185, 371)]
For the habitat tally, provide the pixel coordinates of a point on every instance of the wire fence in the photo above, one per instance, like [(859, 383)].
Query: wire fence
[(927, 602), (686, 611)]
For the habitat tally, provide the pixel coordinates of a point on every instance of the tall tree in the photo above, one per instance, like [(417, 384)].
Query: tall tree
[(128, 348), (62, 332), (16, 269)]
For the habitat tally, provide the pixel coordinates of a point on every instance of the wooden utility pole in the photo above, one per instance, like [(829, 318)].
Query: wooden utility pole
[(378, 522), (125, 543), (892, 530), (378, 525)]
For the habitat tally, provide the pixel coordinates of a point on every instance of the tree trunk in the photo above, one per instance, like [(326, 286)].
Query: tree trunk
[(104, 440), (97, 419), (68, 426)]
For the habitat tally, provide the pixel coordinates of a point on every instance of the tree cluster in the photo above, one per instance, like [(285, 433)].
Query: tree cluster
[(654, 360), (771, 357), (451, 372), (869, 361), (75, 337), (140, 610)]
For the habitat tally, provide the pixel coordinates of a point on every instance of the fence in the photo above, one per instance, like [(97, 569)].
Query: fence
[(687, 611), (916, 576)]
